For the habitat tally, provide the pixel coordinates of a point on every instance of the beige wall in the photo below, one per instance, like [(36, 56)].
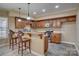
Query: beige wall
[(77, 31), (15, 13), (68, 32), (12, 23), (3, 13)]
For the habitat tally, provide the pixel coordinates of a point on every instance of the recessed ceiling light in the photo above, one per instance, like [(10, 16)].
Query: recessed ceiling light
[(34, 13), (57, 6), (43, 10)]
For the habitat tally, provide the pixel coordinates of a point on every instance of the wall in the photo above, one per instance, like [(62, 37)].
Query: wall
[(16, 13), (3, 13), (68, 32), (77, 31), (12, 23)]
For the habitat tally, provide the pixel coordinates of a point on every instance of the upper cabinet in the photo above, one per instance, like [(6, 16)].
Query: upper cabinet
[(40, 24), (34, 25), (55, 22), (47, 24), (20, 23), (71, 19)]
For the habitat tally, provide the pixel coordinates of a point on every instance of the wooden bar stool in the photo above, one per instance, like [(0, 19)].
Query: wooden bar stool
[(23, 42), (12, 39)]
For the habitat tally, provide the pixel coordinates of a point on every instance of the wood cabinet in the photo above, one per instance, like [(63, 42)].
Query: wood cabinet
[(71, 19), (40, 24), (46, 24), (56, 38), (56, 24), (20, 25), (34, 25), (45, 45)]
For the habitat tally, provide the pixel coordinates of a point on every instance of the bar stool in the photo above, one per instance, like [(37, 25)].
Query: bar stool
[(23, 41), (12, 39)]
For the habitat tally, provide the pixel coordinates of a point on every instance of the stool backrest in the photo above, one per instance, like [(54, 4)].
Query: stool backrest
[(11, 33), (19, 36), (29, 34)]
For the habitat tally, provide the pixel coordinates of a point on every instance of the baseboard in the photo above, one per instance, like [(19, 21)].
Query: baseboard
[(67, 42), (76, 49), (6, 44), (37, 54)]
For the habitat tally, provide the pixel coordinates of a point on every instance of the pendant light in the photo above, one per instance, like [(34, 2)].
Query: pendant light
[(28, 15), (19, 15)]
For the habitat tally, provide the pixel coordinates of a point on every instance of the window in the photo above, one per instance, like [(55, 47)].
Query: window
[(3, 28)]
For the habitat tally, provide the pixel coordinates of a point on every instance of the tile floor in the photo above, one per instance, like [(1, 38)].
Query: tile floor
[(63, 49), (53, 50), (5, 51)]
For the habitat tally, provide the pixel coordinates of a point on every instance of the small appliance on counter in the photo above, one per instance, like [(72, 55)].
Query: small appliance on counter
[(48, 34)]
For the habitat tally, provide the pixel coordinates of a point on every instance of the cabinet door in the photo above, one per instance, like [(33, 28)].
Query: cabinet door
[(40, 24), (56, 23), (20, 24), (71, 19), (56, 38), (34, 25)]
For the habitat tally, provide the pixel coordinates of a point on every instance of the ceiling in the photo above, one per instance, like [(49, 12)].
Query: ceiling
[(37, 7)]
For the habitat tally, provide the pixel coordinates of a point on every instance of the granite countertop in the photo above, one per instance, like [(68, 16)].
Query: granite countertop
[(35, 32)]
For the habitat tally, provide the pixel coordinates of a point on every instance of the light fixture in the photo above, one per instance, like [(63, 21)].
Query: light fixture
[(28, 15), (43, 10), (57, 6), (19, 15)]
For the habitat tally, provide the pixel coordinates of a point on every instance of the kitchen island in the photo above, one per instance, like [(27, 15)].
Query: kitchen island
[(39, 42)]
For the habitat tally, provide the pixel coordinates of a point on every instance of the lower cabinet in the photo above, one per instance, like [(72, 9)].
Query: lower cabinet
[(56, 38)]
